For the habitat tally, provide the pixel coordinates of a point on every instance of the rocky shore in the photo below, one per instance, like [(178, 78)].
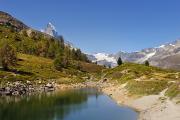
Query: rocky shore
[(20, 88)]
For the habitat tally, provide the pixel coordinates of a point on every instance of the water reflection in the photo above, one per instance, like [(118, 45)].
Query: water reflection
[(85, 104)]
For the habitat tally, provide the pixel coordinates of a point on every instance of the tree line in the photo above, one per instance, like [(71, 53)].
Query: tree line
[(39, 44), (120, 62)]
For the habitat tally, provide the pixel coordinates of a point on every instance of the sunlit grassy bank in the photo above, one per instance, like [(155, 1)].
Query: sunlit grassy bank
[(145, 80), (39, 69)]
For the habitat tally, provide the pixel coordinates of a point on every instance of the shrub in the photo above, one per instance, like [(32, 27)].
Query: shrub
[(60, 62), (146, 63), (7, 56)]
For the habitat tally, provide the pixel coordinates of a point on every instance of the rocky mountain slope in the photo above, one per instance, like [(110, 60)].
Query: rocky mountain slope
[(7, 19), (165, 56)]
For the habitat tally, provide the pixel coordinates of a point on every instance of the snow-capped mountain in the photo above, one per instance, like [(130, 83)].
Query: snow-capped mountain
[(165, 56), (51, 30), (103, 59), (137, 57)]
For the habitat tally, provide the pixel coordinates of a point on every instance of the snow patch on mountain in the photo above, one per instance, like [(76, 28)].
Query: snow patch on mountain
[(162, 46), (104, 56), (172, 45), (50, 30), (52, 26), (104, 59), (147, 56)]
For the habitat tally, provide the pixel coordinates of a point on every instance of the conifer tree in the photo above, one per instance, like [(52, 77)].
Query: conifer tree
[(119, 62), (7, 56), (146, 63)]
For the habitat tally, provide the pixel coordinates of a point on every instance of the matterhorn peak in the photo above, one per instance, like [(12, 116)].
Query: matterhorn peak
[(50, 30), (50, 25)]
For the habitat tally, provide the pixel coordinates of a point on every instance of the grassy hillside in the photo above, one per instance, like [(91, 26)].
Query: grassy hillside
[(39, 69), (145, 80), (39, 44), (36, 53)]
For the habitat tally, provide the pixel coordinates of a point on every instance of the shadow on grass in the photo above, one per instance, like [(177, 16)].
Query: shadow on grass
[(17, 71)]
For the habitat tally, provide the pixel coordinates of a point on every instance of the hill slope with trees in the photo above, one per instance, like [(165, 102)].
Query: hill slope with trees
[(25, 50)]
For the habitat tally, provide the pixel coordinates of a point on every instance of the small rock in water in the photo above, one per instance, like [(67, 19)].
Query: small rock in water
[(15, 93), (7, 89)]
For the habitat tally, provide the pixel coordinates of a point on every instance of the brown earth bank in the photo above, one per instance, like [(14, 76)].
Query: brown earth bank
[(151, 107)]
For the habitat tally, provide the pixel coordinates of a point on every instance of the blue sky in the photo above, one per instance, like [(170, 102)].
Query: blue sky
[(103, 25)]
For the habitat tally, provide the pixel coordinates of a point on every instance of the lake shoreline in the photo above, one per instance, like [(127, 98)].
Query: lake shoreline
[(149, 107), (152, 107)]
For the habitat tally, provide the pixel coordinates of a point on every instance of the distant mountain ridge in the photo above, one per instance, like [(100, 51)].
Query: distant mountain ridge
[(104, 59), (164, 56)]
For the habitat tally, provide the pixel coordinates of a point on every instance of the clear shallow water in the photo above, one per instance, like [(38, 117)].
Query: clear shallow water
[(84, 104)]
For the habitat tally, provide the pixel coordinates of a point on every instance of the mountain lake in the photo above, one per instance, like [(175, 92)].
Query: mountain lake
[(81, 104)]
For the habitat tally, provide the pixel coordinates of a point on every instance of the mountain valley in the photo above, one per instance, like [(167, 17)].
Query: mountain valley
[(36, 62)]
